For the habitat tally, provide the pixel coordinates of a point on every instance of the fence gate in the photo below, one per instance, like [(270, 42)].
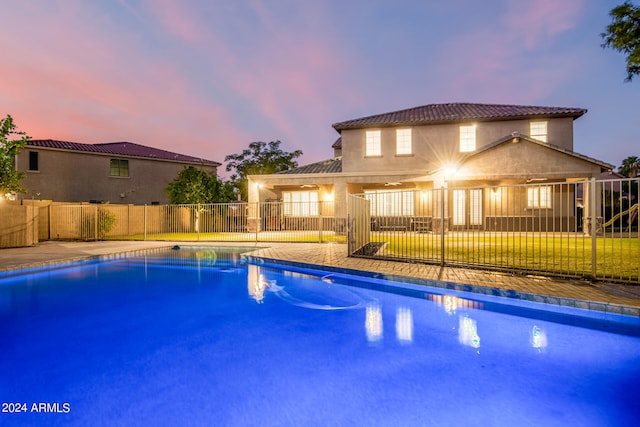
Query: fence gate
[(359, 220)]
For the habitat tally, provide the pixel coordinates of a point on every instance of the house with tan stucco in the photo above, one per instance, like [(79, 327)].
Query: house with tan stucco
[(115, 172), (404, 161)]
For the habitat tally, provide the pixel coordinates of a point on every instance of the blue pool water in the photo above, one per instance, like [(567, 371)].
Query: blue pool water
[(201, 337)]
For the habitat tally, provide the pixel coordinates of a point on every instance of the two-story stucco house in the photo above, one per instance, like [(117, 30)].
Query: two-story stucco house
[(391, 157), (117, 172)]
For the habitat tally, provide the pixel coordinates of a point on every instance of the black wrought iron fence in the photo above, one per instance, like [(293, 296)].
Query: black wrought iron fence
[(575, 229)]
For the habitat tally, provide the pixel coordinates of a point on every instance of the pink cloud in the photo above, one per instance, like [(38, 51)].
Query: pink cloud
[(537, 21), (287, 71), (176, 18), (294, 70), (90, 84), (92, 79), (498, 63)]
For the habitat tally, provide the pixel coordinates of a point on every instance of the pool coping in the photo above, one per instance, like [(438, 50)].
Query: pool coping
[(60, 263)]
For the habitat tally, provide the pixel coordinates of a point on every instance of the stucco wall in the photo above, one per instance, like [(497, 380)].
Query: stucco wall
[(435, 145), (525, 160), (66, 176)]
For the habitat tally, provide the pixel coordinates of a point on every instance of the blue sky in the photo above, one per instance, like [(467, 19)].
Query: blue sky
[(206, 78)]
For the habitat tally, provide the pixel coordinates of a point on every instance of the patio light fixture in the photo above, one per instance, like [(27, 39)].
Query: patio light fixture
[(449, 170)]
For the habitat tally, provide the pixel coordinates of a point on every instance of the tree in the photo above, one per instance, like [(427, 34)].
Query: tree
[(9, 148), (193, 186), (630, 167), (623, 35), (259, 159)]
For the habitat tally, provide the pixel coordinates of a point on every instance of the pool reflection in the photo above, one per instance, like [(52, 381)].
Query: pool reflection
[(373, 323), (538, 338), (451, 303), (468, 332), (404, 325), (256, 283)]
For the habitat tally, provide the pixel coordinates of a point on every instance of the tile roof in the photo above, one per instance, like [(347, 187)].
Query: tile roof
[(338, 143), (120, 149), (456, 112), (326, 166)]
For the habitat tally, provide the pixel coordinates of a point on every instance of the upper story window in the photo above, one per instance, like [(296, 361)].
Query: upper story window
[(403, 141), (373, 143), (467, 138), (119, 167), (538, 130), (33, 161), (300, 203), (539, 197)]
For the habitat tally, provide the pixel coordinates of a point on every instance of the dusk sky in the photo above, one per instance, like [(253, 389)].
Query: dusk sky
[(206, 78)]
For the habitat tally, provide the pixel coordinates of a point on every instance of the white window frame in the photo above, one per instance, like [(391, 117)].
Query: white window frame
[(373, 143), (475, 206), (459, 207), (403, 142), (539, 130), (467, 138), (300, 203), (539, 197), (391, 203)]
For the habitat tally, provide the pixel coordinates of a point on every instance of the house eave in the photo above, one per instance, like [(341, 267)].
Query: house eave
[(338, 175)]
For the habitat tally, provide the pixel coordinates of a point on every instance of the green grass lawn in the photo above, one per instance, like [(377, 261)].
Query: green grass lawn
[(615, 257), (265, 236)]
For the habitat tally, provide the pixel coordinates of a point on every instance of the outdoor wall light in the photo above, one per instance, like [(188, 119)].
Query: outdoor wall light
[(516, 136), (449, 170)]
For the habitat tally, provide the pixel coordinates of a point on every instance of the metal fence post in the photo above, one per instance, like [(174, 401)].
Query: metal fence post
[(593, 224), (320, 222), (442, 193), (198, 221), (258, 219)]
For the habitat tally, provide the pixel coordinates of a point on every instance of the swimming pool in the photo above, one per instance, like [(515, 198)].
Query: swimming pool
[(203, 337)]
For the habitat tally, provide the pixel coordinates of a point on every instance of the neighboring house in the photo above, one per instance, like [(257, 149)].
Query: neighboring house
[(393, 157), (116, 172)]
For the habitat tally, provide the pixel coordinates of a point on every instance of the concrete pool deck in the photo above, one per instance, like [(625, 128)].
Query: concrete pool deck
[(602, 296)]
